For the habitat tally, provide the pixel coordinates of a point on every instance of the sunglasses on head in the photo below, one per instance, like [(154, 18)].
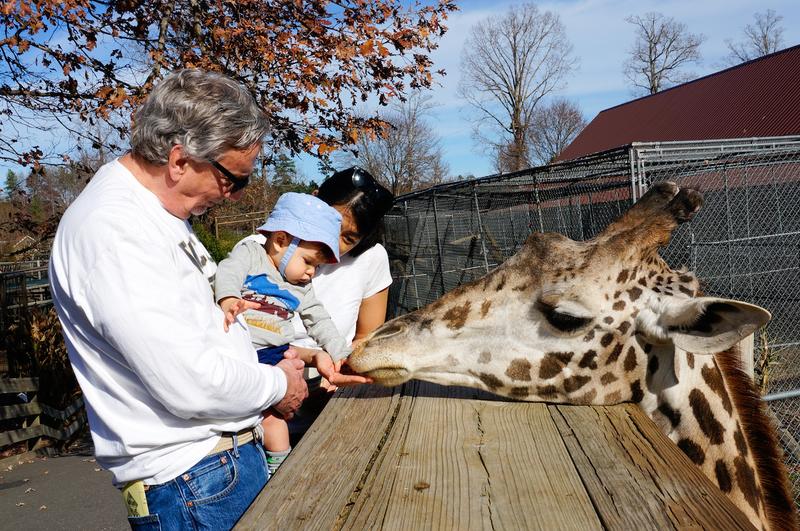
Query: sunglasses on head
[(237, 182), (365, 182)]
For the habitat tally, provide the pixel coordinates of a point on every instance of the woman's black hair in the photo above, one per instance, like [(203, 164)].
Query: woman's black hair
[(368, 201)]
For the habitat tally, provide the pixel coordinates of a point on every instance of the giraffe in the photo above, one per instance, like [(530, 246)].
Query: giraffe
[(602, 322)]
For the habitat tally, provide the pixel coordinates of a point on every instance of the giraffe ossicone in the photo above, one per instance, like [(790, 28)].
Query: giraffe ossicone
[(601, 322)]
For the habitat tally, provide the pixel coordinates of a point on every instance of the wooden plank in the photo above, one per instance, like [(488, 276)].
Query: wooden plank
[(23, 434), (18, 385), (456, 463), (317, 479), (63, 434), (636, 477), (20, 410), (73, 408)]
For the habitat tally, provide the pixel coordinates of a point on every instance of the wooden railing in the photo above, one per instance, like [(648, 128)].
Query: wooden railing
[(22, 396)]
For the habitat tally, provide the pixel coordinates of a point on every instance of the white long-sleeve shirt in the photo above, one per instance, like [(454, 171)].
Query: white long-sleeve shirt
[(161, 378)]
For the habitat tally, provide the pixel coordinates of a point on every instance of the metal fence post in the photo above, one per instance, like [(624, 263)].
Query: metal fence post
[(411, 257), (480, 229), (438, 244)]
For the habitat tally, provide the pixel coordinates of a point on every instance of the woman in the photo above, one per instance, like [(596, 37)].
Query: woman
[(355, 291)]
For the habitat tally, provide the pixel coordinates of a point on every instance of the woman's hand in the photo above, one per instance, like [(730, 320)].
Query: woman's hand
[(331, 371)]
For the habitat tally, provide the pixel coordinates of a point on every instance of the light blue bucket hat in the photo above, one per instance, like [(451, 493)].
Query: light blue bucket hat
[(306, 218)]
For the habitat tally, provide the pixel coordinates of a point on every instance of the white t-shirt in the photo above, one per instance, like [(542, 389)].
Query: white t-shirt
[(341, 288), (160, 377)]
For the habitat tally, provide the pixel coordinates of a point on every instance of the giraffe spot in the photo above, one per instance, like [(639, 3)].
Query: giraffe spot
[(738, 438), (614, 355), (613, 398), (643, 281), (457, 316), (659, 279), (723, 476), (586, 398), (425, 324), (692, 450), (630, 360), (651, 274), (589, 336), (588, 360), (622, 277), (485, 308), (687, 291), (520, 392), (705, 418), (637, 395), (501, 284), (746, 480), (623, 327), (652, 365), (606, 339), (634, 293), (608, 378), (608, 320), (673, 415), (656, 290), (553, 363), (648, 347), (547, 391), (574, 383), (690, 359), (618, 306), (617, 294), (606, 296), (485, 357), (713, 378), (489, 380), (686, 278), (520, 369)]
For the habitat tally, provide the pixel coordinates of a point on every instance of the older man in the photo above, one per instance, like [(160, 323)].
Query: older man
[(172, 398)]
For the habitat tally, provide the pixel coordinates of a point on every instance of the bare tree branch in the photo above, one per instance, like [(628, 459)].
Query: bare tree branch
[(760, 39), (552, 128), (663, 47), (509, 63)]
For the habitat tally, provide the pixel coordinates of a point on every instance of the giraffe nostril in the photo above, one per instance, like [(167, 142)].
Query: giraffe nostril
[(389, 329)]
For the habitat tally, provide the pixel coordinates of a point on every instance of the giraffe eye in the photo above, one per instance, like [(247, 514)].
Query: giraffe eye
[(562, 321), (566, 322)]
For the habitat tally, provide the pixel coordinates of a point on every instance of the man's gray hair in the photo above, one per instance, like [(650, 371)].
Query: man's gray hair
[(205, 112)]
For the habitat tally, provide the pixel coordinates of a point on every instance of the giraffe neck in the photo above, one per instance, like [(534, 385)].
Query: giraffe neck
[(717, 418)]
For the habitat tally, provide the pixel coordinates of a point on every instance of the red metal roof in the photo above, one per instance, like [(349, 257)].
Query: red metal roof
[(757, 98)]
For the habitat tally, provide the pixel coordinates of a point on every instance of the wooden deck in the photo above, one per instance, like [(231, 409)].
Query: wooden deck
[(430, 457)]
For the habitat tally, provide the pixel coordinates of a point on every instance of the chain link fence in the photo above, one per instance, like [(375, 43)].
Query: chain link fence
[(744, 244)]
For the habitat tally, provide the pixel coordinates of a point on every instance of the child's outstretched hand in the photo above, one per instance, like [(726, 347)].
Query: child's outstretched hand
[(233, 306), (331, 371)]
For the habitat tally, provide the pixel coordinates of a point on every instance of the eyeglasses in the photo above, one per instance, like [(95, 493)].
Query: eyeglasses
[(238, 182)]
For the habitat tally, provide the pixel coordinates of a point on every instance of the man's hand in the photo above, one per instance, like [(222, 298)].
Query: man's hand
[(296, 388), (233, 306), (331, 371)]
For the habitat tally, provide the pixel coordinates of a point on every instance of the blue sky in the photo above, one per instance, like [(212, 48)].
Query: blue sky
[(601, 39)]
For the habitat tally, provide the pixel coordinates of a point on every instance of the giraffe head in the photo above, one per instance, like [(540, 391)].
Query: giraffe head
[(610, 301), (601, 322)]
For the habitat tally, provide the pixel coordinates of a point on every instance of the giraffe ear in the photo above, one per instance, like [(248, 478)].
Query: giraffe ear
[(707, 325)]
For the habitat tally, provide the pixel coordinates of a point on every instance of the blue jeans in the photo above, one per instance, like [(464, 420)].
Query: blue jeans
[(213, 494)]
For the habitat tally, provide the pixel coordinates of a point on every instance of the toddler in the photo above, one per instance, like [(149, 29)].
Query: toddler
[(269, 283)]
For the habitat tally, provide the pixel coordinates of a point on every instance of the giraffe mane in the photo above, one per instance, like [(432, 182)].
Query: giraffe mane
[(760, 432)]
